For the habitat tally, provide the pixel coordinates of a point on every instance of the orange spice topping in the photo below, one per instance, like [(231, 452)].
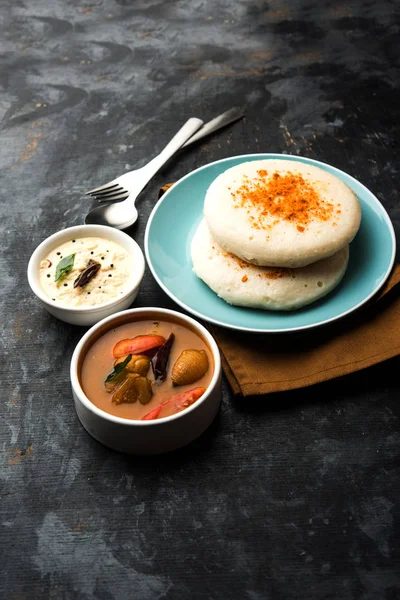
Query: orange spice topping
[(274, 274), (239, 262), (300, 228), (287, 197), (244, 278)]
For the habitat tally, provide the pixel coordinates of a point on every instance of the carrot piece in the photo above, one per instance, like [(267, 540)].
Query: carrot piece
[(137, 345)]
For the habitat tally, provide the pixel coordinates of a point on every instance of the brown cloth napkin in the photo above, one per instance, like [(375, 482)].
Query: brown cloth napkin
[(263, 363)]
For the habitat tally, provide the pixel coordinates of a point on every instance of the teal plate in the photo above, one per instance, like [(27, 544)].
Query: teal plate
[(174, 220)]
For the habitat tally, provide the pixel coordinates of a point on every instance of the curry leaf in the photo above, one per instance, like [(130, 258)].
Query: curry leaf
[(117, 369), (64, 266)]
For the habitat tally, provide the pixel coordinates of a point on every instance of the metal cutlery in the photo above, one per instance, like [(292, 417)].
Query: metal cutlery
[(121, 193)]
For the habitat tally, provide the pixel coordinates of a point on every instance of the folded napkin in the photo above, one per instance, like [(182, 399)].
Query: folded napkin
[(264, 363)]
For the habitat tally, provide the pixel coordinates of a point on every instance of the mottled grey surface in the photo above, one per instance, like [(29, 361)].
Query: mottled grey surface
[(292, 496)]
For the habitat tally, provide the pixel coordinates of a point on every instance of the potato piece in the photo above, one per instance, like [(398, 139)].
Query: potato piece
[(139, 363), (144, 389), (127, 391), (133, 388)]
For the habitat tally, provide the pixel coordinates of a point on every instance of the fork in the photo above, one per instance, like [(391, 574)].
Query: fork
[(134, 181)]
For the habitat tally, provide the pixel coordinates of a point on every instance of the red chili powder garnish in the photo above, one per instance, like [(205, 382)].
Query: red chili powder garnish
[(276, 274), (240, 263), (288, 197)]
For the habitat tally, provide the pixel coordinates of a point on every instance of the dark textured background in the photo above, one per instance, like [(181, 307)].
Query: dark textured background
[(292, 496)]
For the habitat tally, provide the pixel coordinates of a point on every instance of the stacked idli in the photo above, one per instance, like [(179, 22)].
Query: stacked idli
[(275, 234)]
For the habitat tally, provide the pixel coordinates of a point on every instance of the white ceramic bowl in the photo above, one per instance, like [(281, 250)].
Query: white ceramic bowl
[(146, 437), (87, 315)]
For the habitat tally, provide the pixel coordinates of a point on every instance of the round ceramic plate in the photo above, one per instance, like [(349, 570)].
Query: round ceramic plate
[(174, 220)]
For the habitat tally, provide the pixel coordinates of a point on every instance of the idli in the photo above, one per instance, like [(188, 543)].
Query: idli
[(281, 213), (269, 288)]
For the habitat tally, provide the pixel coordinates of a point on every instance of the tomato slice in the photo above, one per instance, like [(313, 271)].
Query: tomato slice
[(153, 414), (138, 345), (176, 403)]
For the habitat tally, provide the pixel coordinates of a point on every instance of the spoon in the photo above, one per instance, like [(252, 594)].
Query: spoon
[(122, 215)]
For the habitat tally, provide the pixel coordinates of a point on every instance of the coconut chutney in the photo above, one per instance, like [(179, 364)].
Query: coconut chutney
[(104, 283)]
